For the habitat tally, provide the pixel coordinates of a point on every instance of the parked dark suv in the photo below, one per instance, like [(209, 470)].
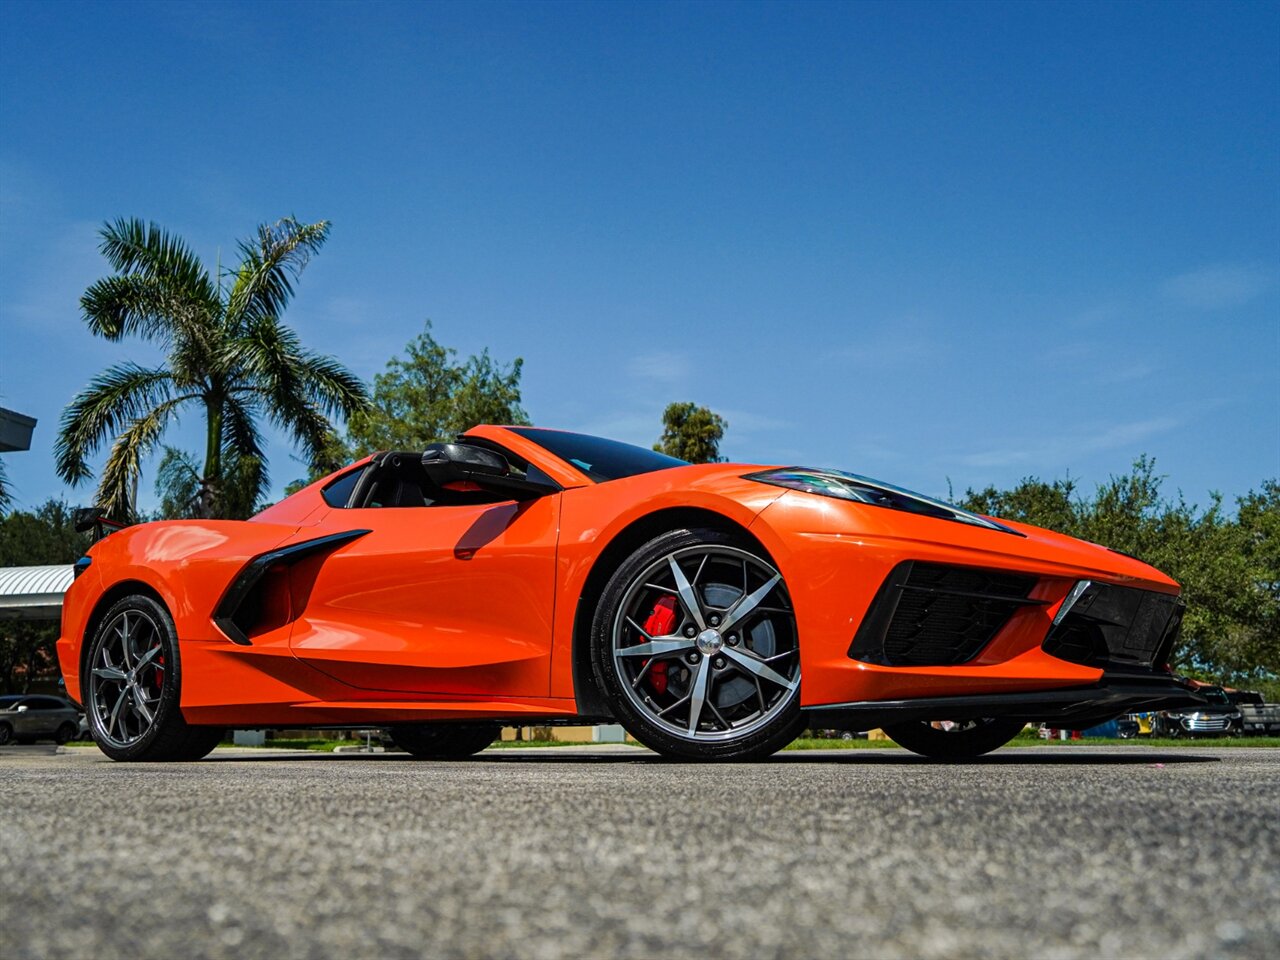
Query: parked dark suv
[(26, 718), (1218, 717)]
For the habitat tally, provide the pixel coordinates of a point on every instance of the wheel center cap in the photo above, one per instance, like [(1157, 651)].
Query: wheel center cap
[(709, 641)]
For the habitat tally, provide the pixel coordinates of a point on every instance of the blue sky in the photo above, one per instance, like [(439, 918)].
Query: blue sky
[(923, 242)]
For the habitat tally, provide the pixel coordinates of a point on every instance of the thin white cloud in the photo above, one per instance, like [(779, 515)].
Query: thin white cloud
[(1217, 287), (661, 367), (907, 342), (1064, 446), (48, 297), (743, 421), (641, 429)]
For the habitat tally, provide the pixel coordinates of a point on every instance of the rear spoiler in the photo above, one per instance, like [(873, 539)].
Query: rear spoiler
[(91, 518)]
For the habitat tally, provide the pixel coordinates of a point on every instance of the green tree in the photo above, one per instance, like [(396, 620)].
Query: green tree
[(228, 354), (692, 433), (46, 535), (428, 395), (1257, 638), (1051, 505)]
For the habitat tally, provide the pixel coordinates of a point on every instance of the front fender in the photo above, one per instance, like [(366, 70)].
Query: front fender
[(186, 563)]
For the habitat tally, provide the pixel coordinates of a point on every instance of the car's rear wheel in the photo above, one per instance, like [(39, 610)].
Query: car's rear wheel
[(958, 740), (694, 644), (65, 733), (444, 741), (132, 680)]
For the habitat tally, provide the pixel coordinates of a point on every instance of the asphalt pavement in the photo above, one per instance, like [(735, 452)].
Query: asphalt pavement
[(1052, 852)]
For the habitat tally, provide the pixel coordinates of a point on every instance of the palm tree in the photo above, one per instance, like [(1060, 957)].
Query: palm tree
[(5, 497), (227, 354)]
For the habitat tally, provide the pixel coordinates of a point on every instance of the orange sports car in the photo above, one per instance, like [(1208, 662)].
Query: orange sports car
[(530, 576)]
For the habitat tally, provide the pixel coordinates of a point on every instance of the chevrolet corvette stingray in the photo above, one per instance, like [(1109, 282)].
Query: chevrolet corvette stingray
[(531, 576)]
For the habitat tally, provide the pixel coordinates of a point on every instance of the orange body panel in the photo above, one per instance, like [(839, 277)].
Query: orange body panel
[(451, 612)]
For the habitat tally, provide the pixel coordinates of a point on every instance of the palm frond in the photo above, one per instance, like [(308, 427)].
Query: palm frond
[(330, 385), (270, 263), (6, 498), (150, 307), (271, 354), (305, 423), (134, 247), (245, 476), (124, 464), (178, 485), (118, 395), (297, 389)]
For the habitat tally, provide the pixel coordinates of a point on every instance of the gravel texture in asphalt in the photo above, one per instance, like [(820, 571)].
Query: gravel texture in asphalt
[(602, 852)]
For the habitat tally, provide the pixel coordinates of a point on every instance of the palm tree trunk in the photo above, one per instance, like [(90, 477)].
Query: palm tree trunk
[(211, 483)]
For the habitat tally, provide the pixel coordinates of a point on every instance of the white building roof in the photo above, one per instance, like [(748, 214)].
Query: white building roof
[(33, 593)]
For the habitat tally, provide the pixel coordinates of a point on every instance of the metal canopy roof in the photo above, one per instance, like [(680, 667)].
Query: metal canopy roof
[(15, 430), (33, 593)]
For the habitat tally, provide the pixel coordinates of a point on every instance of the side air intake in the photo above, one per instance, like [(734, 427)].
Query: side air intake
[(930, 614), (260, 597)]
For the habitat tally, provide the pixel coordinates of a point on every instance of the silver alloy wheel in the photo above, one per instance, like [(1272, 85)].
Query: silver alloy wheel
[(729, 663), (127, 678)]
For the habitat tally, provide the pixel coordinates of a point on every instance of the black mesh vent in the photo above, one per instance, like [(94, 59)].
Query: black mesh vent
[(1112, 626), (929, 614)]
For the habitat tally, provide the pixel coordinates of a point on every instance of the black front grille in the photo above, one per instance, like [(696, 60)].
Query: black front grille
[(929, 614), (1110, 626)]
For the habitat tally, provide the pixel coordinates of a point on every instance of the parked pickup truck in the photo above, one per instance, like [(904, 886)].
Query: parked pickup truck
[(1256, 717)]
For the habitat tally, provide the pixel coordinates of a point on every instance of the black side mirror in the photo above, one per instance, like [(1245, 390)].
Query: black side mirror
[(488, 469), (85, 519)]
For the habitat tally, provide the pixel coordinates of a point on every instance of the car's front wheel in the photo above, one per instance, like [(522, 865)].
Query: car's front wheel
[(131, 684), (65, 733), (954, 740), (694, 644), (444, 741), (6, 734)]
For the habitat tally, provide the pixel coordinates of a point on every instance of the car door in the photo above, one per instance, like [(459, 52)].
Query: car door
[(443, 599), (32, 718)]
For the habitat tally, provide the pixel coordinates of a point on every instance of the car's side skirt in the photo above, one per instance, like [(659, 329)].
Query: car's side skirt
[(329, 713)]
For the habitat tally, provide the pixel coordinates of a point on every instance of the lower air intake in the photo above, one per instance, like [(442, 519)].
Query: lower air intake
[(1112, 627)]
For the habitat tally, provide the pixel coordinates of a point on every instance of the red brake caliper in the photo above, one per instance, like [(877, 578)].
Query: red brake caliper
[(662, 620)]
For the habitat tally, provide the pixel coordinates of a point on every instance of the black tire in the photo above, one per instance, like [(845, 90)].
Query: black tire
[(984, 736), (199, 743), (6, 734), (444, 741), (167, 737), (65, 733), (780, 720)]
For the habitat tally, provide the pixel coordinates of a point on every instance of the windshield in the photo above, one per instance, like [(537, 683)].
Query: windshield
[(1214, 695), (599, 459)]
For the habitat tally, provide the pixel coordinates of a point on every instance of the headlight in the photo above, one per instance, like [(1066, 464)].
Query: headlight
[(849, 486)]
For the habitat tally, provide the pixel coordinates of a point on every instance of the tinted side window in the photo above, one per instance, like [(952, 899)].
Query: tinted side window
[(337, 493)]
